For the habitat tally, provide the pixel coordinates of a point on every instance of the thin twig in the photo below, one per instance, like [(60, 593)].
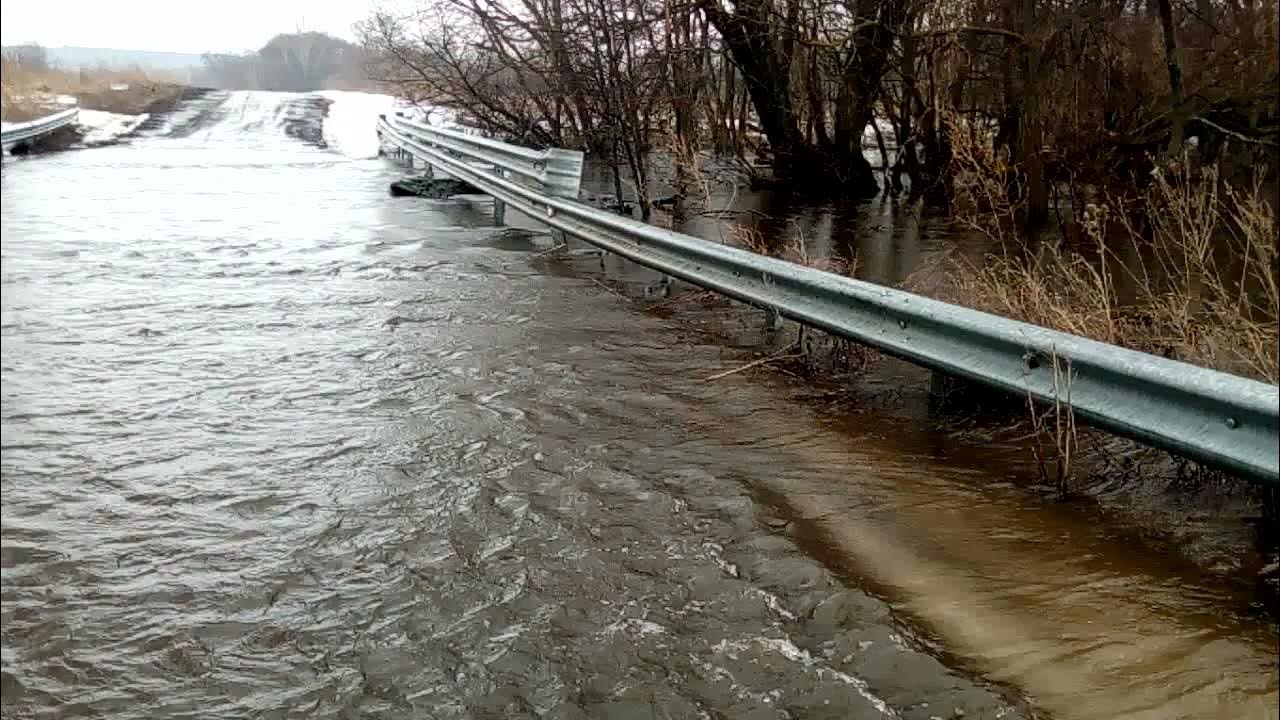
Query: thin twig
[(780, 355), (726, 212), (615, 292), (1239, 136), (548, 251)]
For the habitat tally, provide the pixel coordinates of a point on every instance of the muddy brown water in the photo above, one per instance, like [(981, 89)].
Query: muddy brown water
[(277, 445)]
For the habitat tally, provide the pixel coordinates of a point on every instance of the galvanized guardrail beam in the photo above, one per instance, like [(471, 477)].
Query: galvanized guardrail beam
[(18, 133), (558, 172), (1222, 420)]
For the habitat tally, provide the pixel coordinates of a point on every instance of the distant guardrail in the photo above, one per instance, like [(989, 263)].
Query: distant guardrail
[(556, 172), (18, 134), (1222, 420)]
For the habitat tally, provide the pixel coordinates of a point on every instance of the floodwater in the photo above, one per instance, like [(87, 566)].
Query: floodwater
[(277, 445)]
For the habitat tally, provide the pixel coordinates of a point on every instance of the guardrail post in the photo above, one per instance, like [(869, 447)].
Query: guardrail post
[(662, 287), (499, 207), (773, 320), (560, 237), (941, 386)]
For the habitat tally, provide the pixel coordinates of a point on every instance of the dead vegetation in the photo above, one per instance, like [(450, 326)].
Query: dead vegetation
[(815, 350), (1053, 432), (1186, 269), (1183, 267), (32, 89)]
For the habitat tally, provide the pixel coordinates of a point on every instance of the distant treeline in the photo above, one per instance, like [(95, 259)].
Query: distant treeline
[(296, 62)]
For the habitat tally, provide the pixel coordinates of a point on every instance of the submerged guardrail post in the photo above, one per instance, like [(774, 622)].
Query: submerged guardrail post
[(662, 287), (773, 320), (499, 207)]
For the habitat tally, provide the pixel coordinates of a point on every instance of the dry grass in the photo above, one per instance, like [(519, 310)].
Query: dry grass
[(819, 350), (690, 175), (28, 92), (1187, 270), (750, 238), (1053, 430)]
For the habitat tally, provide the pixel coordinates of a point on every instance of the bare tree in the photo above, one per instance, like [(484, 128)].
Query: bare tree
[(848, 46), (1066, 93), (29, 56)]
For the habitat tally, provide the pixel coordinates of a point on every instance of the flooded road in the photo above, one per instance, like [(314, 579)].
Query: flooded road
[(277, 445)]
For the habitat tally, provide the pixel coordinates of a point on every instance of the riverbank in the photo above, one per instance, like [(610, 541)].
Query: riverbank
[(112, 104), (30, 94), (1182, 266)]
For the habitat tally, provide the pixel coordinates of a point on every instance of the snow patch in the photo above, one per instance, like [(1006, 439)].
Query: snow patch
[(100, 127), (886, 129), (351, 127), (428, 114)]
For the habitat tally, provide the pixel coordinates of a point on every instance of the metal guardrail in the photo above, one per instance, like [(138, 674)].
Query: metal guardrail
[(1222, 420), (18, 133), (557, 172)]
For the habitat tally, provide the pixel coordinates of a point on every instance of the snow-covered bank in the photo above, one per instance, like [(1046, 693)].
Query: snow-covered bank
[(99, 127), (351, 126), (343, 121)]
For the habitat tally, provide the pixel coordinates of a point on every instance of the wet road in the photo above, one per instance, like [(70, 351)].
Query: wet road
[(275, 445)]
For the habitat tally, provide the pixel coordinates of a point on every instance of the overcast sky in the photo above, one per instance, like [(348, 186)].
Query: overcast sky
[(174, 25)]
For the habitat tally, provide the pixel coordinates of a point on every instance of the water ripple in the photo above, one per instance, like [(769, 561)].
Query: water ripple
[(276, 445)]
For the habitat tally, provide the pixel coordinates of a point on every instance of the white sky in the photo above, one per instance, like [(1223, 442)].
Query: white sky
[(174, 25)]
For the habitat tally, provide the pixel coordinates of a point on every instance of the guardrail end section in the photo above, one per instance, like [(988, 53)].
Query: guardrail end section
[(563, 175)]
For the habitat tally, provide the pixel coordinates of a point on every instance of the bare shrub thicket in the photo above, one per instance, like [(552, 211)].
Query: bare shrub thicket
[(616, 76), (1130, 139), (1073, 93), (1187, 269)]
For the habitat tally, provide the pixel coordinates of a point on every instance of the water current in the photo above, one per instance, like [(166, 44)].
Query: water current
[(278, 445)]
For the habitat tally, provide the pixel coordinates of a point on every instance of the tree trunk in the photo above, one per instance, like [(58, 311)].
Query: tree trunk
[(1173, 59), (1031, 130), (757, 45)]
